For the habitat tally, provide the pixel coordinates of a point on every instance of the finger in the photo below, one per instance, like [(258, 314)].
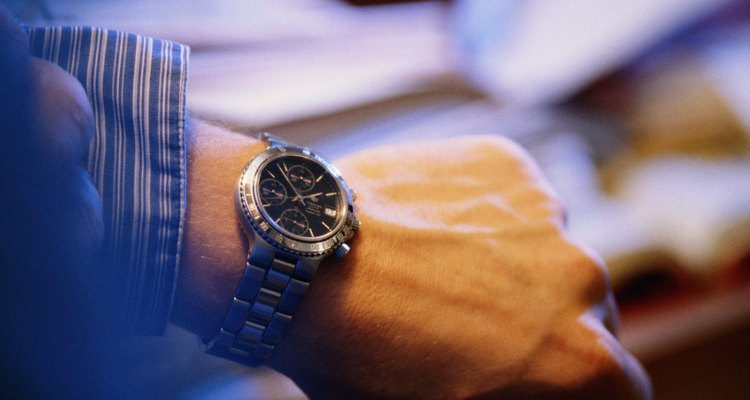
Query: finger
[(612, 318), (606, 307), (65, 128), (65, 117), (79, 223), (622, 373), (594, 279), (641, 383), (16, 145), (47, 125), (607, 313)]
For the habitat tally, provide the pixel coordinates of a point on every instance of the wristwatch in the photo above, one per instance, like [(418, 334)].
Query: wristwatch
[(298, 210)]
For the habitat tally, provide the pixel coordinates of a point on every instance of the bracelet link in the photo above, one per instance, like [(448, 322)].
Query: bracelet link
[(261, 311)]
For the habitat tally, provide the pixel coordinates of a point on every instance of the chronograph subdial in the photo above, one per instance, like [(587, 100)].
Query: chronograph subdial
[(294, 221), (301, 178), (272, 192)]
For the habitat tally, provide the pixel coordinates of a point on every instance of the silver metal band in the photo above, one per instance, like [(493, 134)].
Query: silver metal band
[(271, 288), (275, 280)]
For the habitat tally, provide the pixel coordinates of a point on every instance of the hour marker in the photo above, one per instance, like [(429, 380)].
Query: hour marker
[(311, 232), (329, 194), (286, 169), (326, 225), (319, 178), (272, 175)]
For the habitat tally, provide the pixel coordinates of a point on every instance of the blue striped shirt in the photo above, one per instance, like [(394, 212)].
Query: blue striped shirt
[(136, 86)]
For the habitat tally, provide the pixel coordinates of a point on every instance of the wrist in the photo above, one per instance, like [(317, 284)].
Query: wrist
[(214, 246)]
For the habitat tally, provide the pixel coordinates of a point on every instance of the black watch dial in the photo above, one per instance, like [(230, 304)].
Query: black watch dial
[(300, 197)]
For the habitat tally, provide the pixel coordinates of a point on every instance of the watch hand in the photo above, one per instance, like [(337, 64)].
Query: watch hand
[(312, 195), (298, 195)]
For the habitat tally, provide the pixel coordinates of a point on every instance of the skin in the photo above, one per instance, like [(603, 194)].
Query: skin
[(462, 282)]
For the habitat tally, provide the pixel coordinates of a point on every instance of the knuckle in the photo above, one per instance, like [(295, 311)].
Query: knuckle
[(558, 210), (585, 361), (598, 366), (602, 371), (607, 376), (590, 272), (66, 116), (80, 221)]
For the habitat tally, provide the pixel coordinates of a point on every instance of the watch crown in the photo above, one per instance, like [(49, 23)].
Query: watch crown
[(342, 250)]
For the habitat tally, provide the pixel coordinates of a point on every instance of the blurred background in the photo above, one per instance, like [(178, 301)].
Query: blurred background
[(638, 112)]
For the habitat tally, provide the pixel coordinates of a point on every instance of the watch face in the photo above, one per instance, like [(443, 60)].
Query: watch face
[(299, 197)]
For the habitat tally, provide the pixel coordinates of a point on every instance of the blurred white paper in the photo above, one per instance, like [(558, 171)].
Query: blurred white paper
[(258, 63), (545, 50)]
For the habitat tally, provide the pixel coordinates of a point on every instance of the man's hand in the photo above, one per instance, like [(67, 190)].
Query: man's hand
[(51, 230), (461, 283), (47, 121)]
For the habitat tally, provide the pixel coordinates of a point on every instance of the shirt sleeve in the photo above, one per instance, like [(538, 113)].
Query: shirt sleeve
[(136, 86)]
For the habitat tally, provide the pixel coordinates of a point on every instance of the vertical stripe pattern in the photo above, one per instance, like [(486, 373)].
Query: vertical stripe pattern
[(136, 86)]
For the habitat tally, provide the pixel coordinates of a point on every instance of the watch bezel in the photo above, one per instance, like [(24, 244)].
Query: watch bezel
[(254, 217)]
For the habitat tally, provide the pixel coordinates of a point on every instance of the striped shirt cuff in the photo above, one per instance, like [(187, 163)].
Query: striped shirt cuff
[(136, 86)]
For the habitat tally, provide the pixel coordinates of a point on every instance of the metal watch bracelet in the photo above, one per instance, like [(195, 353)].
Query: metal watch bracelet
[(271, 288), (281, 263)]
